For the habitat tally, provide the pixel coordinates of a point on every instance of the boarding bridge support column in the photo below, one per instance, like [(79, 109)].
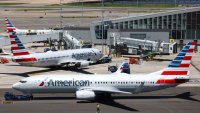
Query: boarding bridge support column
[(60, 40)]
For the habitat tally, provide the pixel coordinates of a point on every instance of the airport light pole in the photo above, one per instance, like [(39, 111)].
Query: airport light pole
[(61, 14), (81, 10), (102, 23), (175, 3), (61, 26), (104, 26)]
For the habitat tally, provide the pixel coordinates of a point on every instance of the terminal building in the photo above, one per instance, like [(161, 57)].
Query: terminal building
[(182, 25)]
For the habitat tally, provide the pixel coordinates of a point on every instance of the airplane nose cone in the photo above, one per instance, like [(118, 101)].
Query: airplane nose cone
[(15, 86)]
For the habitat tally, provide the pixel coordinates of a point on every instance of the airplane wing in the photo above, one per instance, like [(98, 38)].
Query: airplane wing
[(82, 63), (105, 90)]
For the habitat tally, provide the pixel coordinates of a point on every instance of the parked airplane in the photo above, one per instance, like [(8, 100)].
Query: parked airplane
[(79, 57), (10, 26), (88, 87)]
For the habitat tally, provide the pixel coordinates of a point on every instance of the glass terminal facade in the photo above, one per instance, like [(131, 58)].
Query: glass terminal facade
[(181, 24)]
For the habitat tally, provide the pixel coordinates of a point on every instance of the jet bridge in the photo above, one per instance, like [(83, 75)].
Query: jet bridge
[(71, 41), (136, 46)]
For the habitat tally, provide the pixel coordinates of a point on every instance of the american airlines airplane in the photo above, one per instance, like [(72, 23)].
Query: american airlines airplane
[(78, 57), (10, 26), (87, 87)]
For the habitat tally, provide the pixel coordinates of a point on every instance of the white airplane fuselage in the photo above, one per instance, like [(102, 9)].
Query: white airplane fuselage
[(55, 58), (73, 83)]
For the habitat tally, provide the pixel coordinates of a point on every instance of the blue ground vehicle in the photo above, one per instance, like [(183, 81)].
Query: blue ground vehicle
[(11, 96)]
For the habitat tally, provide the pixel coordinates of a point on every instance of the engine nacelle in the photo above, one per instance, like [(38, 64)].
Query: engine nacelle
[(82, 64), (85, 95)]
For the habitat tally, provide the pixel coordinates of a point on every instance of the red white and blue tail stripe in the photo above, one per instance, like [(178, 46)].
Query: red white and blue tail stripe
[(9, 25), (17, 48), (177, 71), (180, 65)]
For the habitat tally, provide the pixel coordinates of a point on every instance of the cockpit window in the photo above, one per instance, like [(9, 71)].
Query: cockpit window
[(22, 81)]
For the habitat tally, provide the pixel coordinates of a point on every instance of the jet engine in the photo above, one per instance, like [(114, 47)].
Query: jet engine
[(82, 64), (85, 95)]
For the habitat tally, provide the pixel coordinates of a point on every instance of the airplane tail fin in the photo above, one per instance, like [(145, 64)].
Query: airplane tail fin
[(17, 48), (180, 65), (124, 67), (9, 25), (178, 70)]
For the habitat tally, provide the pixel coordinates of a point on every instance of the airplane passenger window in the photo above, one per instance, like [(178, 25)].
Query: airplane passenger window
[(22, 81)]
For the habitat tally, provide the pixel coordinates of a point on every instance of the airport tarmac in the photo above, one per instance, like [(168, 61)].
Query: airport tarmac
[(182, 99), (172, 100)]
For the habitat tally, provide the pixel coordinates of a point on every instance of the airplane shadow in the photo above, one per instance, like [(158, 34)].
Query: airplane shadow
[(111, 101), (185, 96), (74, 69)]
